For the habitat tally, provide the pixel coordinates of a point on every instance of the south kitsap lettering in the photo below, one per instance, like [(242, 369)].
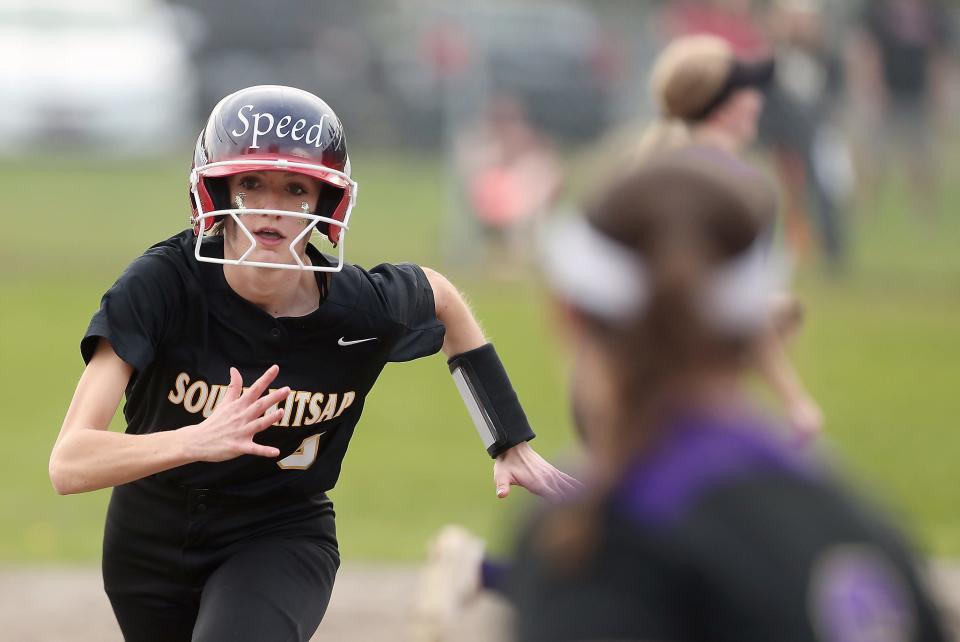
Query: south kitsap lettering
[(301, 408)]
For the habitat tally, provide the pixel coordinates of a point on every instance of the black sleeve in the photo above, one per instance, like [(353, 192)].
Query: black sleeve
[(137, 311), (408, 298)]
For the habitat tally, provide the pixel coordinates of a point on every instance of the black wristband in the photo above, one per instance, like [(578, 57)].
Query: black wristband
[(490, 399)]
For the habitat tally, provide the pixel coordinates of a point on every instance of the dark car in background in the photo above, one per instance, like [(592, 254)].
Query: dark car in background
[(321, 47), (442, 62)]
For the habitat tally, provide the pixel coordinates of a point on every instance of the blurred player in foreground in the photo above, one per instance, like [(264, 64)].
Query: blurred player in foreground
[(219, 526), (697, 523)]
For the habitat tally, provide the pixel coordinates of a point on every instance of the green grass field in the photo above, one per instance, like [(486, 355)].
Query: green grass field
[(881, 352)]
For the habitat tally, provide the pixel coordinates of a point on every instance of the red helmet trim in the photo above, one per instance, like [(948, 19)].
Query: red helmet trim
[(327, 175), (206, 203)]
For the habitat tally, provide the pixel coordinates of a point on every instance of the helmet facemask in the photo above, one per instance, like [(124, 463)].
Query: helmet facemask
[(208, 205)]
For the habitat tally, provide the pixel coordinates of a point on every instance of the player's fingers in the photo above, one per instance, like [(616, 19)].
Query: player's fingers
[(569, 481), (261, 405), (563, 488), (262, 423), (547, 488), (262, 451), (502, 482), (235, 386), (568, 488), (254, 391), (549, 484)]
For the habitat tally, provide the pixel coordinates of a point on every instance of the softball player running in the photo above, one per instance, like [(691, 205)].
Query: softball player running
[(245, 356)]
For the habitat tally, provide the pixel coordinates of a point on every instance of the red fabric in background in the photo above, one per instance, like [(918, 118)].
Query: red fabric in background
[(741, 30)]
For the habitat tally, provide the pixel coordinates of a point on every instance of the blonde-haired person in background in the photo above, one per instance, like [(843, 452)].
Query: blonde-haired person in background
[(707, 96), (704, 94)]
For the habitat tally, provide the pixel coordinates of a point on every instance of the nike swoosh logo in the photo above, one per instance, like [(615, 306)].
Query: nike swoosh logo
[(344, 342)]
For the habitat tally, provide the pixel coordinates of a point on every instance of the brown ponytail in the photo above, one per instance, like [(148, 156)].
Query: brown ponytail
[(683, 214)]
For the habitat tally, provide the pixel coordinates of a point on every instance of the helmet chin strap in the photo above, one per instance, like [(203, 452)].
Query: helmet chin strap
[(309, 219)]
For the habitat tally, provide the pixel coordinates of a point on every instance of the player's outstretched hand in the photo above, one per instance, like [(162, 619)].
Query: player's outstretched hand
[(522, 466), (806, 418), (228, 432)]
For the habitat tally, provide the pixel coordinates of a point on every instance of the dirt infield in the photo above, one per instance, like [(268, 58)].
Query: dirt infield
[(370, 603)]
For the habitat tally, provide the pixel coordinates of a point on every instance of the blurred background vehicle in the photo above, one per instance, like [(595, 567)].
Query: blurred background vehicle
[(102, 75), (322, 47), (555, 57)]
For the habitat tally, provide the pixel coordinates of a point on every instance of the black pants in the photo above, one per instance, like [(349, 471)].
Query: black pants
[(197, 565)]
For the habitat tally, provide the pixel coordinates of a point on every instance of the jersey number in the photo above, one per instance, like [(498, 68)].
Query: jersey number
[(303, 457)]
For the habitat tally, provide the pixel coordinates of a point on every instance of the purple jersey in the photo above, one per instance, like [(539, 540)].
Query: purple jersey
[(721, 533)]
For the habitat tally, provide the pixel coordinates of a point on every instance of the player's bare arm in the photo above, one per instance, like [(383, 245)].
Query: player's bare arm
[(463, 332), (518, 464), (802, 411), (773, 362), (88, 457)]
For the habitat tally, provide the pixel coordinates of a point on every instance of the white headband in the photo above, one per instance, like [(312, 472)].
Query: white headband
[(606, 279), (587, 268)]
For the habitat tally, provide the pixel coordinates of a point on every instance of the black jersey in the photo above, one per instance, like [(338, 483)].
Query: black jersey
[(722, 535), (181, 327)]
